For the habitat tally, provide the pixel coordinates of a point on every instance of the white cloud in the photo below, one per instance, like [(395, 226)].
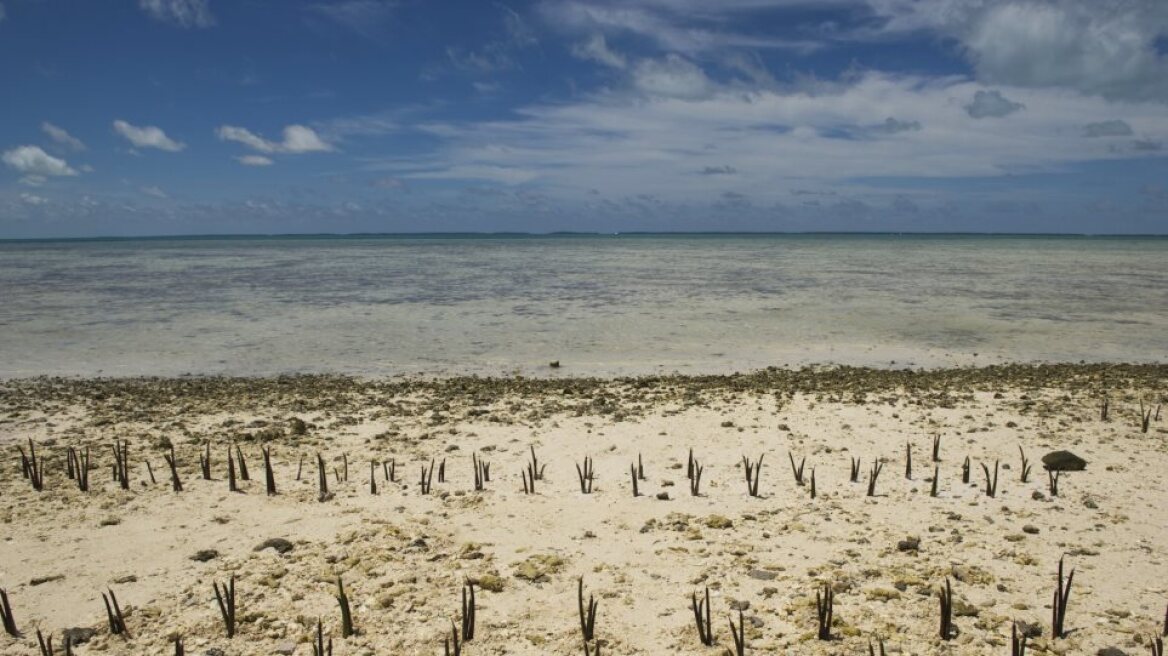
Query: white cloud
[(154, 192), (254, 160), (183, 13), (702, 30), (36, 163), (62, 137), (33, 199), (147, 137), (992, 104), (1106, 48), (776, 140), (672, 77), (596, 49), (297, 139)]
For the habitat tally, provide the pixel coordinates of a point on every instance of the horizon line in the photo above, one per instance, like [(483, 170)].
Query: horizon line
[(573, 233)]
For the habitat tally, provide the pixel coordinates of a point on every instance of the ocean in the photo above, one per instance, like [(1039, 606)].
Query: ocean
[(598, 304)]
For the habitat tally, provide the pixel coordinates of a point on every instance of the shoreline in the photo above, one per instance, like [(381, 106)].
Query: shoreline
[(404, 554)]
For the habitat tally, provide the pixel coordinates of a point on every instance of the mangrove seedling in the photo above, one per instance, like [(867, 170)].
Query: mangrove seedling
[(1053, 477), (633, 478), (226, 600), (753, 474), (936, 478), (46, 645), (468, 612), (175, 483), (113, 612), (1017, 642), (854, 477), (231, 486), (457, 644), (825, 610), (797, 471), (812, 482), (739, 634), (587, 618), (535, 468), (874, 474), (991, 488), (585, 474), (908, 461), (640, 468), (965, 471), (372, 477), (269, 473), (242, 464), (936, 457), (322, 479), (6, 614), (205, 462), (1103, 409), (689, 465), (346, 615), (945, 596), (1025, 466), (320, 648), (705, 628), (442, 471), (695, 483), (1062, 595)]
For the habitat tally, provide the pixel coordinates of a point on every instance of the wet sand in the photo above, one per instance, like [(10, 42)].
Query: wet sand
[(403, 555)]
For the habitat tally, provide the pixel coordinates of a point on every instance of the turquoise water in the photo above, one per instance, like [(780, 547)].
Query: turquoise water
[(599, 304)]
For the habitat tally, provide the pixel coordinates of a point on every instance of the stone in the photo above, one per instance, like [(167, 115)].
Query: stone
[(741, 605), (297, 426), (490, 582), (1111, 651), (285, 648), (911, 543), (77, 635), (762, 574), (663, 496), (1063, 461), (1031, 529), (203, 555), (279, 544)]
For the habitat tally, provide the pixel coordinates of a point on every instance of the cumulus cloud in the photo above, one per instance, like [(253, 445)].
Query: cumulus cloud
[(1107, 129), (596, 49), (992, 104), (183, 13), (297, 139), (147, 137), (154, 192), (62, 137), (254, 160), (672, 77), (1105, 48), (36, 163)]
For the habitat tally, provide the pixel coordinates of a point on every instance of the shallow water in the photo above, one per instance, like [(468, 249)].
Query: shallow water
[(598, 304)]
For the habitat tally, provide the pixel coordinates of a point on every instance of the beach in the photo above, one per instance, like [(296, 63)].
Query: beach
[(404, 556)]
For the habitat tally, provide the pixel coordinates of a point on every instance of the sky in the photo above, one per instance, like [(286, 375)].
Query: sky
[(174, 117)]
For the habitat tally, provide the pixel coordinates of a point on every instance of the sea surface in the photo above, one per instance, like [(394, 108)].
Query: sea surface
[(600, 305)]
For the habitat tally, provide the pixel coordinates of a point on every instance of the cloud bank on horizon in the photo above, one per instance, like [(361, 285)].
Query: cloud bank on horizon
[(279, 116)]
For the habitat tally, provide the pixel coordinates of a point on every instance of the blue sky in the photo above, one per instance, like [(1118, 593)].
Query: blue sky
[(155, 117)]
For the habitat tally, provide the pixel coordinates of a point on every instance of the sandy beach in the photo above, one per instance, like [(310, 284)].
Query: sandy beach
[(404, 556)]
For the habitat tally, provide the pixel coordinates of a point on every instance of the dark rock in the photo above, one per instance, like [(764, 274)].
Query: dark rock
[(279, 544), (40, 580), (554, 364), (1063, 461), (909, 544), (1111, 651), (215, 651), (1031, 529), (742, 605), (203, 555), (297, 426), (77, 635), (663, 496)]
